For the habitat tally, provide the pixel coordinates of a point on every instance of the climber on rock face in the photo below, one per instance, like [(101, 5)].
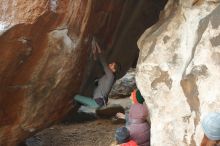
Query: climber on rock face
[(104, 84), (211, 128)]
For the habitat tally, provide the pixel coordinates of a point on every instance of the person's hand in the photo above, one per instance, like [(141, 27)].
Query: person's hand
[(120, 115), (93, 45), (94, 49), (98, 47), (93, 42)]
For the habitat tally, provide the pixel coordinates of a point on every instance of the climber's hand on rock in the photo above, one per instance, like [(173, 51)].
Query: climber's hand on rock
[(98, 48), (94, 49)]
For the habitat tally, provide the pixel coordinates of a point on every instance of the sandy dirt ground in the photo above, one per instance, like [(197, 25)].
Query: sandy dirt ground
[(82, 129), (92, 133)]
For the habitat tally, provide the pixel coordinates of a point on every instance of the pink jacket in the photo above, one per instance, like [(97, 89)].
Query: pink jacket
[(139, 129)]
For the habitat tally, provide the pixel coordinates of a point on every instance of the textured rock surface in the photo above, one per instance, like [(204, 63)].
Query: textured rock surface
[(122, 47), (124, 86), (178, 70), (44, 47)]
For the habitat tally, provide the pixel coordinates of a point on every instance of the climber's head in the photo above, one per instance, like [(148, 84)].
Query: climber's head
[(114, 67)]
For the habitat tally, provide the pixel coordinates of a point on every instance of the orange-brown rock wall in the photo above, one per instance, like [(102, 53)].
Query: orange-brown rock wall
[(44, 46)]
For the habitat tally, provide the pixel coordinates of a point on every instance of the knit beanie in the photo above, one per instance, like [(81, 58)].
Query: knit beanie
[(122, 135), (211, 126), (136, 97)]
